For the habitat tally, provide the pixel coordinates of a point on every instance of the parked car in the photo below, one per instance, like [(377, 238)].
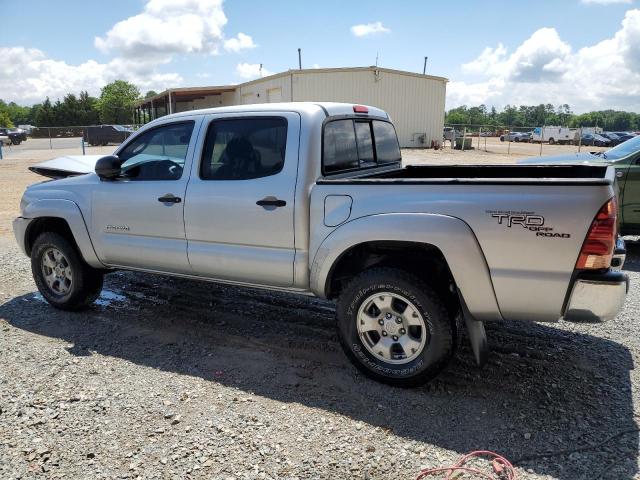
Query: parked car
[(612, 137), (525, 137), (16, 135), (510, 137), (450, 133), (4, 139), (312, 198), (625, 159), (591, 139), (624, 138), (106, 134)]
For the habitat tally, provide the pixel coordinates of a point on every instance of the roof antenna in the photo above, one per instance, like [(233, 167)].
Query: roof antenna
[(260, 70), (376, 59), (299, 59), (424, 69)]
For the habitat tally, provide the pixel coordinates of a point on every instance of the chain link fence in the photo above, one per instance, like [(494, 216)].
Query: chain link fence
[(523, 141), (80, 138)]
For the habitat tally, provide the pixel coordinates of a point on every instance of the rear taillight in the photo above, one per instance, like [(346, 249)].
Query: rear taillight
[(600, 243)]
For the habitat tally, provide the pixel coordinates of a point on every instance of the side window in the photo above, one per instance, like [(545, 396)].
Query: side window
[(339, 150), (242, 149), (157, 154), (387, 147), (365, 144)]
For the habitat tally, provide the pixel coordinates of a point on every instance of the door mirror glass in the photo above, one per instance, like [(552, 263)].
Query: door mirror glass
[(108, 167)]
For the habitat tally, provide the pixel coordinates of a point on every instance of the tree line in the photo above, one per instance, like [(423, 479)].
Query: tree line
[(540, 115), (113, 106)]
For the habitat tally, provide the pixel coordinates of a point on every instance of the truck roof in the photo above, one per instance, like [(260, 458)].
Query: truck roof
[(330, 108)]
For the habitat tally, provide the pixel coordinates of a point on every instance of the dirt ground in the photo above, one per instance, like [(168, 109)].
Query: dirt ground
[(170, 378)]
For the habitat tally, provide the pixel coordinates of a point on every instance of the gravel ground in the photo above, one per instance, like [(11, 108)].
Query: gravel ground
[(170, 378)]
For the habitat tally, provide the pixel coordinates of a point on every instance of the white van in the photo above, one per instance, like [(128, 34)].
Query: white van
[(553, 135)]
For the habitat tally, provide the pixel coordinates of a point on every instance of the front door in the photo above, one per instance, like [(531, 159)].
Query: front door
[(137, 219), (239, 208)]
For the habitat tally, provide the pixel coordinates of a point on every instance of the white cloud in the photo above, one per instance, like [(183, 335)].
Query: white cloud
[(167, 27), (604, 2), (251, 70), (138, 47), (366, 29), (545, 69), (29, 76), (241, 42)]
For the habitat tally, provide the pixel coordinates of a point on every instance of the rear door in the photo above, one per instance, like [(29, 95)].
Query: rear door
[(137, 220), (240, 200)]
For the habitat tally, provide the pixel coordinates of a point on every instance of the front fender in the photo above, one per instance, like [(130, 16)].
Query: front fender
[(70, 212), (453, 237)]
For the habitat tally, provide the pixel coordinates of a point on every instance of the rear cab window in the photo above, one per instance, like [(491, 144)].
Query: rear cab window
[(351, 144)]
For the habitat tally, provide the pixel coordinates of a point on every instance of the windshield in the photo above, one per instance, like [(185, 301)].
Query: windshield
[(624, 149)]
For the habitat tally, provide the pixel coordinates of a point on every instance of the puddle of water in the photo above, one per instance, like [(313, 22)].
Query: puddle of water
[(106, 298)]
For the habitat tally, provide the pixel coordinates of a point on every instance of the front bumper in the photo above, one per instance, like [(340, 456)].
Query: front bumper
[(597, 297), (20, 226)]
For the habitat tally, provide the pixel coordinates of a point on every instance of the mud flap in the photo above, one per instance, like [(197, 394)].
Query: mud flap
[(477, 334)]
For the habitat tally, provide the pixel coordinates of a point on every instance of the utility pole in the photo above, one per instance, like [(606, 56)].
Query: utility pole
[(424, 69), (260, 70), (299, 59)]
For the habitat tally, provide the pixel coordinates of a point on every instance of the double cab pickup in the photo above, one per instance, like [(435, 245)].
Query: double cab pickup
[(312, 198)]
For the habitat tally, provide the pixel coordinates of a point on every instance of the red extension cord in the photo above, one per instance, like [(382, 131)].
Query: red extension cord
[(502, 468)]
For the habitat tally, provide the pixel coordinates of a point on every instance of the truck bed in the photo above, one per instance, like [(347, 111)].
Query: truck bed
[(531, 265)]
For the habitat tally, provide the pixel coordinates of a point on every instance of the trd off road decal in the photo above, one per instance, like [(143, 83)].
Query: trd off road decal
[(527, 220)]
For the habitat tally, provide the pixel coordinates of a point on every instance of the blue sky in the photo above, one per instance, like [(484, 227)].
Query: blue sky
[(502, 52)]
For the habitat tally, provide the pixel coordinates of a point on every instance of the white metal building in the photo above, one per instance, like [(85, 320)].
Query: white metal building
[(415, 102)]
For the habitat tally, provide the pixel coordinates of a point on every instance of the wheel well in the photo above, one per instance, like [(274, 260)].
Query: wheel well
[(47, 224), (422, 260)]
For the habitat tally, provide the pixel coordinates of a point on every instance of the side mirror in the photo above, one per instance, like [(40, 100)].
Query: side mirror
[(108, 167)]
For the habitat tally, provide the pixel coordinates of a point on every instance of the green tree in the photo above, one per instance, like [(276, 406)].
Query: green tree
[(45, 114), (116, 102), (87, 109), (150, 93), (5, 121)]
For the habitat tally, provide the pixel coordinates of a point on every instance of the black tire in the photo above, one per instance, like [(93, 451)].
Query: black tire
[(552, 141), (16, 141), (85, 282), (439, 332)]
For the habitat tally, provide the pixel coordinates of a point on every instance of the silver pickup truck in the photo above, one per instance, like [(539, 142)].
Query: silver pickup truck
[(312, 198)]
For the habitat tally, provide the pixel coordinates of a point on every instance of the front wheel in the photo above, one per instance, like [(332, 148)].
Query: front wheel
[(394, 327), (16, 141), (61, 275)]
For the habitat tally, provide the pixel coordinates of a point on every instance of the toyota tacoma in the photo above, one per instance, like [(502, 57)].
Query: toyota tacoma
[(312, 198)]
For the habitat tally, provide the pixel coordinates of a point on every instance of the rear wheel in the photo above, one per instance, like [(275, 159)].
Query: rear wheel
[(61, 275), (552, 141), (16, 141), (394, 327)]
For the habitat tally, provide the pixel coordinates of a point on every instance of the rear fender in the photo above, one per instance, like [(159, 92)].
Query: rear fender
[(453, 237)]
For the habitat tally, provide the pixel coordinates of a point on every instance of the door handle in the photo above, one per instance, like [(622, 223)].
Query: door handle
[(169, 198), (271, 202)]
